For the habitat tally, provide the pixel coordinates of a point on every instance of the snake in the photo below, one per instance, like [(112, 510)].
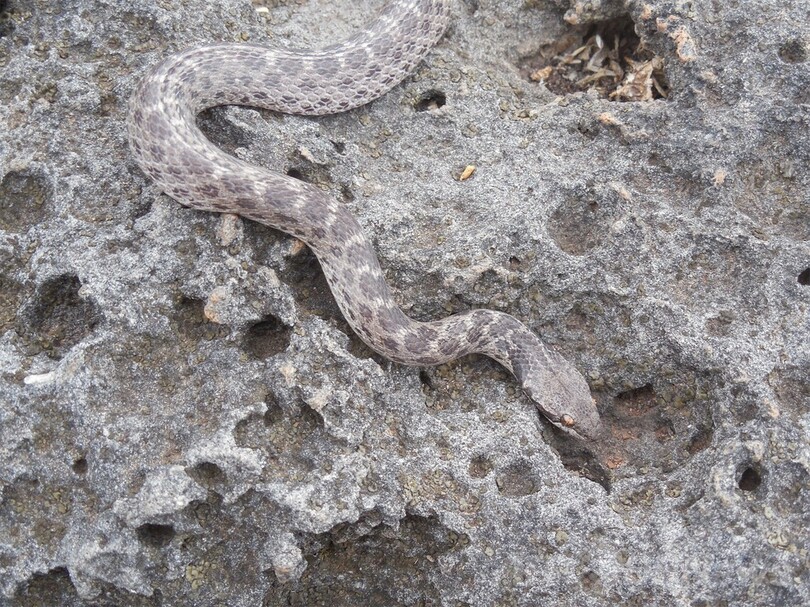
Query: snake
[(170, 149)]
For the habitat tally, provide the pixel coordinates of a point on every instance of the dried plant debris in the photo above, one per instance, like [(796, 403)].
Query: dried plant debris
[(608, 58)]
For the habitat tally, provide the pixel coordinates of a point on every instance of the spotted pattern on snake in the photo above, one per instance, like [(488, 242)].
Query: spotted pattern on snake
[(170, 149)]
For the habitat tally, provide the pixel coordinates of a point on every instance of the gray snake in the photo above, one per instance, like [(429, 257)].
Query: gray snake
[(171, 149)]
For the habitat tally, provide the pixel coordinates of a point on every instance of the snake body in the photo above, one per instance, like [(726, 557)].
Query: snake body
[(171, 149)]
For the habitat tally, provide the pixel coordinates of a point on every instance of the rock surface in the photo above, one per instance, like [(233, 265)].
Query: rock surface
[(186, 420)]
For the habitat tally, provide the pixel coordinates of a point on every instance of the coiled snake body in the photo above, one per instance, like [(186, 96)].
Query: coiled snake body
[(170, 149)]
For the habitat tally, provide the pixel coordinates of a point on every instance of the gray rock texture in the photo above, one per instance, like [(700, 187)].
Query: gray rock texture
[(186, 420)]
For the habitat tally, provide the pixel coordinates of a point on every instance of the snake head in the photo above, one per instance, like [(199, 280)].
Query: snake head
[(561, 394)]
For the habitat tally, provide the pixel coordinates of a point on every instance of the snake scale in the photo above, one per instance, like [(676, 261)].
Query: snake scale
[(170, 148)]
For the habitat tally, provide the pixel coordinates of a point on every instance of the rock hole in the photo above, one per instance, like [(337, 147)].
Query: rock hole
[(581, 224), (608, 58), (59, 318), (517, 479), (804, 277), (588, 128), (750, 479), (790, 384), (426, 379), (637, 401), (141, 206), (659, 162), (305, 168), (12, 294), (274, 413), (296, 174), (347, 193), (214, 123), (431, 100), (266, 338), (52, 588), (480, 466), (591, 582), (109, 104), (357, 347), (305, 276), (6, 23), (721, 324), (188, 248), (699, 441), (368, 563), (340, 146), (80, 466), (793, 51), (191, 312), (580, 461), (208, 475), (190, 323), (157, 536), (24, 199)]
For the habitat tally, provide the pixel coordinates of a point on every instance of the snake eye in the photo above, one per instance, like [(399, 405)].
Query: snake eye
[(567, 421)]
